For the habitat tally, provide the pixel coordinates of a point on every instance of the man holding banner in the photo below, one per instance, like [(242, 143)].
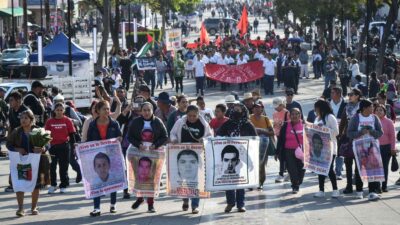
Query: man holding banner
[(321, 147)]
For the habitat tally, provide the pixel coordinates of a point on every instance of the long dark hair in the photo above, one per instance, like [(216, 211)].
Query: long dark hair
[(365, 103), (324, 109)]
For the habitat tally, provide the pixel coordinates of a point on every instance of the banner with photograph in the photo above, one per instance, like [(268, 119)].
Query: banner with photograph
[(146, 63), (186, 171), (368, 157), (231, 163), (317, 149), (235, 74), (24, 170), (144, 171), (173, 39), (102, 166)]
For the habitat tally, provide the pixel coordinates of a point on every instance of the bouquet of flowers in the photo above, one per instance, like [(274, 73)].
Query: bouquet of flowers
[(40, 137)]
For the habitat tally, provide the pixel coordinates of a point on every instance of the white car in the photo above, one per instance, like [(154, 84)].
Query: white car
[(10, 87)]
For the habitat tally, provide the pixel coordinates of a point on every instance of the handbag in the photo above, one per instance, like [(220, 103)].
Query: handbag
[(345, 147), (271, 150), (395, 165), (299, 150)]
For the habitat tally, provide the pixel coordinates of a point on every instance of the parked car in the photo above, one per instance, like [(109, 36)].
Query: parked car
[(11, 87), (212, 24), (13, 57)]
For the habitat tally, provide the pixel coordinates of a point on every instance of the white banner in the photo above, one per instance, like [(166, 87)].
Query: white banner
[(24, 171), (173, 39), (102, 166), (186, 171), (232, 163)]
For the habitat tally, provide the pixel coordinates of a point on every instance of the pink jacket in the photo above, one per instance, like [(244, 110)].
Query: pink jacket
[(389, 133)]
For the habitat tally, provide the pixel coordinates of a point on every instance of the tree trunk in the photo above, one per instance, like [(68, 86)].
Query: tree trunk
[(331, 28), (365, 31), (391, 18), (47, 13), (105, 33), (25, 21), (114, 27)]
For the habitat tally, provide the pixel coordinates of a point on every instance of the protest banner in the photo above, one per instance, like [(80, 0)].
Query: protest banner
[(186, 171), (368, 158), (144, 171), (146, 63), (231, 163), (173, 38), (317, 149), (102, 166), (24, 170), (235, 74)]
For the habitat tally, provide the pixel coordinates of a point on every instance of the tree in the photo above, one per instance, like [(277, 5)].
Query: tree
[(25, 20), (391, 18), (114, 27), (47, 13)]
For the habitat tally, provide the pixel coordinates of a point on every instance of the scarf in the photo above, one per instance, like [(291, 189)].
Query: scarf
[(239, 123), (351, 109)]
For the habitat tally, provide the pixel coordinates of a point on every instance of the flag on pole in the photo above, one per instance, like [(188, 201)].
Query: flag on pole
[(146, 47), (218, 41), (204, 39), (149, 38), (243, 22)]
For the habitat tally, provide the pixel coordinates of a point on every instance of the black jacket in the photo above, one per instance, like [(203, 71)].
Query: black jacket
[(160, 135), (227, 128)]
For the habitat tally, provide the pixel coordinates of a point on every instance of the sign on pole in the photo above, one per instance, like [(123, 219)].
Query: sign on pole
[(173, 39), (135, 30)]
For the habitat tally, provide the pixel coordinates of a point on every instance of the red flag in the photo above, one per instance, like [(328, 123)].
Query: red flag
[(243, 22), (204, 39), (149, 38), (218, 42)]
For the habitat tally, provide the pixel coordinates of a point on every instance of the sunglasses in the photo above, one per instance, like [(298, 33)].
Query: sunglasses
[(351, 94)]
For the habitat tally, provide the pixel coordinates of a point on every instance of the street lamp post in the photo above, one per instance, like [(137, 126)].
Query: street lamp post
[(69, 37), (368, 19), (41, 15), (12, 41), (129, 22)]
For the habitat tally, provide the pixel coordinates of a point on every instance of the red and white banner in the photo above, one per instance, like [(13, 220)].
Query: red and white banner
[(235, 74)]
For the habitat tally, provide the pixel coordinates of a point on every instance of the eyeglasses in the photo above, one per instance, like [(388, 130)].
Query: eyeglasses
[(289, 94), (351, 94)]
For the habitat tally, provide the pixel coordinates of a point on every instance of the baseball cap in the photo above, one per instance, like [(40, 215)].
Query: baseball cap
[(164, 98), (58, 98), (144, 87), (259, 103), (36, 84)]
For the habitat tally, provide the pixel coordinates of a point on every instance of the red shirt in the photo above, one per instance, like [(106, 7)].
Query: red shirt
[(102, 130), (215, 123), (60, 129)]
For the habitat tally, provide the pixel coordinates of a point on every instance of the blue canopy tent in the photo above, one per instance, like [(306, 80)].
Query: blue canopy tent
[(57, 51)]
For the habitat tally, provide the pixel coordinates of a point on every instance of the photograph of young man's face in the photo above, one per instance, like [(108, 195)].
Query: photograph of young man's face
[(188, 164)]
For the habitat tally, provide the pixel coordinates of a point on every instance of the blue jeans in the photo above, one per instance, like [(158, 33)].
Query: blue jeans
[(235, 197), (200, 85), (339, 165), (96, 201), (160, 78), (195, 202)]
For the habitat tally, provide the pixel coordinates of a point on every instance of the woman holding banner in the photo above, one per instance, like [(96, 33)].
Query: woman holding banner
[(364, 123), (191, 128), (238, 125), (387, 142), (290, 139), (326, 118), (101, 128), (18, 141), (147, 132)]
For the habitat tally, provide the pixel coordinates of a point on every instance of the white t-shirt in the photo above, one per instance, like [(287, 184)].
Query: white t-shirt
[(366, 121), (199, 67), (117, 78), (207, 114), (269, 67), (240, 61), (245, 56)]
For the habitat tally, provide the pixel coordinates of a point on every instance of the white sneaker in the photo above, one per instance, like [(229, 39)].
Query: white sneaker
[(359, 194), (63, 190), (52, 189), (279, 179), (335, 194), (373, 196), (339, 177), (287, 178), (319, 194)]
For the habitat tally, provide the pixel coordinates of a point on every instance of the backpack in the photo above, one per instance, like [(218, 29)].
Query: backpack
[(364, 89)]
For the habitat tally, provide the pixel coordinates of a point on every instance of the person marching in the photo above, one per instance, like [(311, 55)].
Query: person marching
[(290, 138), (326, 118), (18, 141), (191, 128), (238, 125), (63, 134), (147, 128), (364, 123), (101, 128)]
